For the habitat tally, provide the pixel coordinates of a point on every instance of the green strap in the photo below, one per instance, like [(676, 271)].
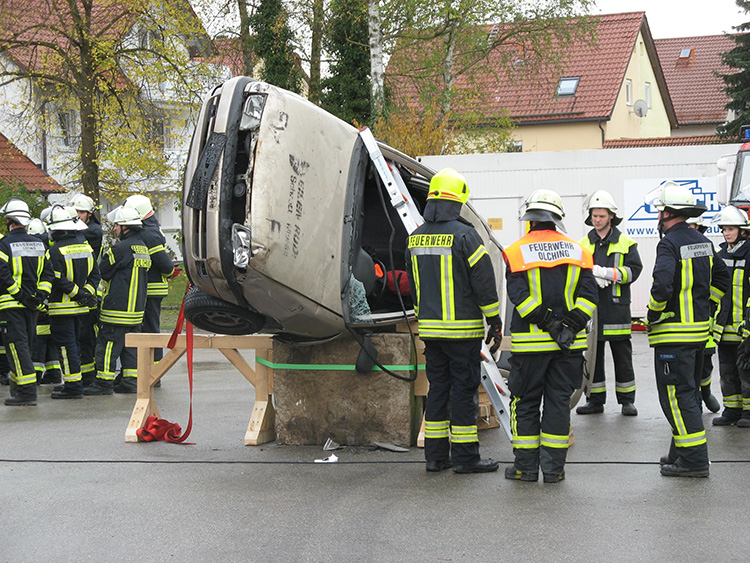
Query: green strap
[(331, 367)]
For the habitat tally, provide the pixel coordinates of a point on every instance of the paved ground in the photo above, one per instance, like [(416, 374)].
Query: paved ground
[(73, 490)]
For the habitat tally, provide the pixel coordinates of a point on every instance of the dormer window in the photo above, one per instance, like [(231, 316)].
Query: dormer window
[(567, 86), (686, 56)]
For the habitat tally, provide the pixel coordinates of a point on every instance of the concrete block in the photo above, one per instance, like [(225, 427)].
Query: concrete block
[(346, 406)]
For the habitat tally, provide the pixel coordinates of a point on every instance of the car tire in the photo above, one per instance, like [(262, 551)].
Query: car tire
[(216, 315)]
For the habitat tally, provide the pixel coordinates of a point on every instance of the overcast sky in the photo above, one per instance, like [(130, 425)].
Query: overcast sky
[(680, 18)]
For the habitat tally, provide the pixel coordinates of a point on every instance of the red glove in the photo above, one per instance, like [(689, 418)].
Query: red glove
[(403, 282)]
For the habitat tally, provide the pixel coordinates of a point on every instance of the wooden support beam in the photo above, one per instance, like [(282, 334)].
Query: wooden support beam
[(261, 428)]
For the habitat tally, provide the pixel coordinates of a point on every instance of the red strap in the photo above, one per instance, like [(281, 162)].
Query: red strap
[(158, 428)]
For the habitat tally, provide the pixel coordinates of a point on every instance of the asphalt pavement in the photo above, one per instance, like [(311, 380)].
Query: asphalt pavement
[(71, 489)]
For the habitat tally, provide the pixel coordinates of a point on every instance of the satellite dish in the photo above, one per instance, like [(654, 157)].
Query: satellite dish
[(640, 108)]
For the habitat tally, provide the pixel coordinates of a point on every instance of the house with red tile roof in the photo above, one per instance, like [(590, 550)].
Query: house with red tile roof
[(16, 168), (608, 89), (690, 65)]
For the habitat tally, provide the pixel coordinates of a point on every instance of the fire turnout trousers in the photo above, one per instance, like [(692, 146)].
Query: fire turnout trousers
[(65, 331), (706, 374), (18, 326), (152, 321), (735, 383), (46, 357), (87, 342), (678, 373), (622, 357), (540, 439), (453, 370), (110, 345)]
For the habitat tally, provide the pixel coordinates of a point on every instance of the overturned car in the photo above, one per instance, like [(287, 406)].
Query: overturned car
[(287, 228)]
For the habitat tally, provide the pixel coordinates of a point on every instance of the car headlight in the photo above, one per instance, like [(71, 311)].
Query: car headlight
[(252, 112), (241, 245)]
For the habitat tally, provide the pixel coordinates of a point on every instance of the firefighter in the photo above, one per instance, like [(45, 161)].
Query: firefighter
[(73, 293), (125, 267), (688, 284), (735, 252), (86, 210), (617, 264), (25, 284), (453, 283), (706, 396), (550, 282), (44, 353), (162, 269)]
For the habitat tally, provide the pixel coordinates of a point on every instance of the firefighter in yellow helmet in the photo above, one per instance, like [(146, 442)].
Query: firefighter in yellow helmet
[(452, 280), (688, 284), (550, 282)]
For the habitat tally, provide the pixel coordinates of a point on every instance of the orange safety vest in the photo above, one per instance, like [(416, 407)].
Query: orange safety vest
[(546, 249)]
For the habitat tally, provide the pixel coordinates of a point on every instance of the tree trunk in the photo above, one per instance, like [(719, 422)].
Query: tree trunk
[(247, 51), (315, 51), (377, 70)]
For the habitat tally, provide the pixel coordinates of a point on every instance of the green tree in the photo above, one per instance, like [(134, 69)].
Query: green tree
[(738, 83), (125, 70), (346, 92), (272, 43), (15, 188), (443, 52)]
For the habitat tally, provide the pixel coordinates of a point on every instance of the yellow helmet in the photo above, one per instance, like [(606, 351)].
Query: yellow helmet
[(449, 185)]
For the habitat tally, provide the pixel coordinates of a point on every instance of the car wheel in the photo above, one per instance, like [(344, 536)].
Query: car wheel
[(216, 315)]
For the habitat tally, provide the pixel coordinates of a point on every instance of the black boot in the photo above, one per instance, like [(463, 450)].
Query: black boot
[(712, 403), (628, 409), (744, 422), (727, 418), (4, 379), (71, 390), (435, 465), (51, 376), (88, 378), (591, 407), (100, 387), (127, 385), (517, 475), (25, 396), (480, 466), (677, 470)]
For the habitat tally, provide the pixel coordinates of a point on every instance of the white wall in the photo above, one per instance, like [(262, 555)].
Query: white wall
[(499, 183)]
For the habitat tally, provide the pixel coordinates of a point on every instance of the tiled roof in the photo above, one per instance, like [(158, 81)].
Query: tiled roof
[(17, 167), (697, 93), (601, 67), (666, 142)]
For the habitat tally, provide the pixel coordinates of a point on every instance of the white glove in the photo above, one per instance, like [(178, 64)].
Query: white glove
[(604, 273), (601, 282)]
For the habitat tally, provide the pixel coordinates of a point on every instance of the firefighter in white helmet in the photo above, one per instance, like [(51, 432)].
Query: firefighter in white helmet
[(617, 264), (25, 283), (688, 284), (125, 266), (87, 212), (735, 381), (705, 395), (452, 281), (162, 269), (550, 282)]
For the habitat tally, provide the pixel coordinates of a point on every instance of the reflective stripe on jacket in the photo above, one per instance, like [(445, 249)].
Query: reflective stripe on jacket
[(734, 302), (125, 267), (73, 264), (618, 251), (24, 267), (687, 276), (452, 280), (547, 270)]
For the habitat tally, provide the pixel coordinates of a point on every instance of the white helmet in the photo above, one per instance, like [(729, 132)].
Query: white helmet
[(543, 205), (64, 219), (675, 198), (82, 202), (141, 204), (126, 216), (730, 216), (36, 227), (601, 199), (17, 210), (44, 215)]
